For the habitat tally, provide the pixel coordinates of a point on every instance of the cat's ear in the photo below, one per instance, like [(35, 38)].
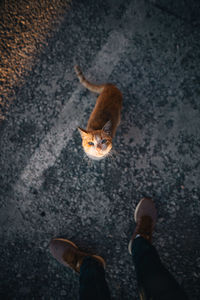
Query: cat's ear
[(83, 132), (107, 128)]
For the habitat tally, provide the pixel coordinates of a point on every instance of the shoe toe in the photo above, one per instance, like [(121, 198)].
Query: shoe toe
[(146, 207), (58, 247)]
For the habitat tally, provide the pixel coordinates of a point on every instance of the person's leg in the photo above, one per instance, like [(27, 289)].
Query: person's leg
[(91, 268), (92, 281), (154, 280)]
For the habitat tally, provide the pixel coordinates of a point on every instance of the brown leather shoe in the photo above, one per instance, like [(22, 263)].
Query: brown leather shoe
[(145, 217), (68, 254)]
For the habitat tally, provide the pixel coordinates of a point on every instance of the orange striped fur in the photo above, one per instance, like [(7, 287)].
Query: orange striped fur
[(104, 119)]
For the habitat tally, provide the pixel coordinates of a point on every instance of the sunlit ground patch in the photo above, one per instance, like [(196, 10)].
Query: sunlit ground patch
[(25, 26)]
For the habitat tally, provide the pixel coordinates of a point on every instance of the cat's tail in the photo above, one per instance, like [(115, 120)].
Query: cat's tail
[(90, 86)]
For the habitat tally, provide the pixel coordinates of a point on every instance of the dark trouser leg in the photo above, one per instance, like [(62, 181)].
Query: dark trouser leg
[(93, 285), (154, 280)]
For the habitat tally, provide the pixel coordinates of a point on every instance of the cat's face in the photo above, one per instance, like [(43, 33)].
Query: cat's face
[(96, 144)]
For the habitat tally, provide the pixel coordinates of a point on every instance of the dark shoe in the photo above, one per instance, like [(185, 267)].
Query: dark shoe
[(68, 254), (145, 217)]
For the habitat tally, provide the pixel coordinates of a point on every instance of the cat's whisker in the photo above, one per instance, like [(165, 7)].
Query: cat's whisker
[(88, 161), (114, 152), (112, 155)]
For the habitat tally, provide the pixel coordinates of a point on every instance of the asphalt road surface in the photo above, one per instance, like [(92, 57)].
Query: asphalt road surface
[(49, 188)]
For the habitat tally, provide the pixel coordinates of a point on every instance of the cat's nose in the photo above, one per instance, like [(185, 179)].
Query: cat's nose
[(98, 147)]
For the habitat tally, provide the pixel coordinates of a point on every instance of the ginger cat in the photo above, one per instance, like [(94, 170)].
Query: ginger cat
[(103, 121)]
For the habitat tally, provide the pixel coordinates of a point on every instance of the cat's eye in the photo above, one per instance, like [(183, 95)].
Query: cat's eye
[(91, 143), (103, 141)]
